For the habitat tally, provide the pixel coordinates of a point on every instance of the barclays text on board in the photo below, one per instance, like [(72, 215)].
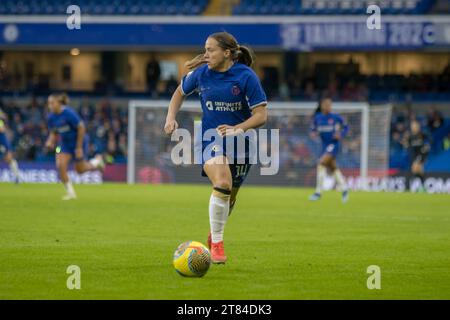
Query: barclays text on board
[(40, 175), (433, 184)]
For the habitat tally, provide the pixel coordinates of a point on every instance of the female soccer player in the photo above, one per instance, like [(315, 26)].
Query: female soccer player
[(332, 129), (233, 102), (73, 144), (418, 145), (5, 149)]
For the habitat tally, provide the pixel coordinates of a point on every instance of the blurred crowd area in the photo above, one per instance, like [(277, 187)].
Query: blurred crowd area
[(343, 82), (351, 85), (434, 123), (106, 124)]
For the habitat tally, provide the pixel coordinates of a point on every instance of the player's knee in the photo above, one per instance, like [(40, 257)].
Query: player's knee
[(222, 190), (223, 184)]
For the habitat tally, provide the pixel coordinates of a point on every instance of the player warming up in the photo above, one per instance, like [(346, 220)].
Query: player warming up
[(73, 141), (331, 129), (5, 149), (233, 102)]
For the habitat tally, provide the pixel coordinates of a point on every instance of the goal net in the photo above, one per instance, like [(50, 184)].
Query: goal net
[(364, 151)]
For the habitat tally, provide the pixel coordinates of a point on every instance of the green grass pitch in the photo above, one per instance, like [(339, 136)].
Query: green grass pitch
[(280, 245)]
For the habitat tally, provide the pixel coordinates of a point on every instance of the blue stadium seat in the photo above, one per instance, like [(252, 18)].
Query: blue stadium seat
[(327, 7), (104, 7), (196, 7)]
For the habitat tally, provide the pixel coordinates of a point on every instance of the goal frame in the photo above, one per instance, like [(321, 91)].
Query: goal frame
[(363, 107)]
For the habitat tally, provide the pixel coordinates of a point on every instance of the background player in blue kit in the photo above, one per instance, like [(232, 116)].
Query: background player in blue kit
[(332, 129), (64, 122), (232, 101), (5, 149)]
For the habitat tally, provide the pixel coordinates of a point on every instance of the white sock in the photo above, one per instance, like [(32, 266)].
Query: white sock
[(14, 167), (321, 172), (218, 215), (340, 180), (69, 188)]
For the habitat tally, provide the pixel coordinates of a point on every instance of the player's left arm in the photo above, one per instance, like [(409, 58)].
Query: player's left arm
[(258, 119)]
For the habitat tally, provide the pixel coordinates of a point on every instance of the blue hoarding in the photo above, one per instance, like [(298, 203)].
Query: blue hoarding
[(301, 34)]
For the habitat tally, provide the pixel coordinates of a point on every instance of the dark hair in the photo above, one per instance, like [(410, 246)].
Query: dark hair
[(323, 96), (226, 41), (318, 109), (62, 98)]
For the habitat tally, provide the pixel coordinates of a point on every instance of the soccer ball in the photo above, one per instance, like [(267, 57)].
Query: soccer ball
[(192, 259)]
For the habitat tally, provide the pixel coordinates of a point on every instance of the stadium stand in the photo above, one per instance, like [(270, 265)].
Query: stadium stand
[(198, 7), (105, 7), (329, 7)]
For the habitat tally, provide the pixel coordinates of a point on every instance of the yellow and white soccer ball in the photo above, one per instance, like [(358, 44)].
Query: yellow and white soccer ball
[(192, 259)]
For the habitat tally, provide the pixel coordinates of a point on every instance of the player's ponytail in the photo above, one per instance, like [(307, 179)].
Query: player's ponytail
[(318, 108), (62, 98), (245, 55)]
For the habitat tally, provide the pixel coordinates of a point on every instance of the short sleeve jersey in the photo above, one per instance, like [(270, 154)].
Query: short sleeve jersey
[(226, 97)]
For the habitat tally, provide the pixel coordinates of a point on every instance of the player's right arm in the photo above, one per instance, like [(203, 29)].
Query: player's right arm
[(51, 140), (313, 129), (174, 106), (188, 85)]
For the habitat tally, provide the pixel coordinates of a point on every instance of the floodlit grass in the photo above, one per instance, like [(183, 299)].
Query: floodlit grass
[(279, 245)]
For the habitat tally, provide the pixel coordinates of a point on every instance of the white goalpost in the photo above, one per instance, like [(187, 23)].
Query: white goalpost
[(364, 152)]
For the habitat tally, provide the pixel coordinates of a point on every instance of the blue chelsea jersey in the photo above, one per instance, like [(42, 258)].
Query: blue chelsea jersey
[(327, 125), (226, 97), (65, 124)]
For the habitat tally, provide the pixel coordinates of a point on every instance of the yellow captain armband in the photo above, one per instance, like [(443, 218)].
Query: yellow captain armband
[(2, 124)]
